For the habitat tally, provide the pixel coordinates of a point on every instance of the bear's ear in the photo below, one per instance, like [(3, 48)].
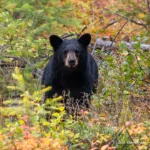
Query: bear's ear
[(85, 39), (55, 41)]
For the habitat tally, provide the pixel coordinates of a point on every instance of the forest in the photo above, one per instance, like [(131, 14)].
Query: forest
[(119, 115)]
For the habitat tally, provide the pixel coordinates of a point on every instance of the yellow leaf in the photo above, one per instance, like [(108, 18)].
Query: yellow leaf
[(141, 15), (61, 108), (57, 98), (55, 114)]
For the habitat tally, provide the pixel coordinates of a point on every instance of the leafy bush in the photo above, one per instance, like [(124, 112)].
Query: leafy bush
[(119, 115)]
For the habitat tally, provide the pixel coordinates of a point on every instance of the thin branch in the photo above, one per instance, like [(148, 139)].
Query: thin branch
[(34, 71), (111, 23), (138, 61), (118, 33), (148, 5), (15, 57), (131, 20), (3, 47), (124, 127), (140, 53), (136, 30), (68, 35), (5, 64), (132, 139), (114, 39), (94, 47), (82, 30), (25, 61)]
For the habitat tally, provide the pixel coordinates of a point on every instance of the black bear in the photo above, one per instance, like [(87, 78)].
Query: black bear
[(71, 71)]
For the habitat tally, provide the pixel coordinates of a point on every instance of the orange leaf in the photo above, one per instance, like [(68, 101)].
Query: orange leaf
[(104, 147)]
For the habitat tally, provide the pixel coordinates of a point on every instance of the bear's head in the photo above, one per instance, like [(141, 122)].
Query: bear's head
[(69, 52)]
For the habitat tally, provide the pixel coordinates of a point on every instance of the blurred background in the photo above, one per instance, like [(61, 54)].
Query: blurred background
[(120, 31)]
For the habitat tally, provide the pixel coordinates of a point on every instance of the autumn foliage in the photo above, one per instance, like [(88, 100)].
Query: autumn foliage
[(119, 116)]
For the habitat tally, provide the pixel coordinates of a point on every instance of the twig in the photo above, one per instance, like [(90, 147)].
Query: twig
[(15, 57), (26, 62), (93, 48), (140, 52), (34, 71), (118, 33), (148, 5), (125, 126), (115, 38), (136, 30), (131, 20), (138, 61), (3, 64), (82, 30), (111, 23), (131, 143), (3, 47), (68, 35), (132, 139)]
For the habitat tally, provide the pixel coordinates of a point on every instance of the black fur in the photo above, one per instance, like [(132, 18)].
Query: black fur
[(79, 81)]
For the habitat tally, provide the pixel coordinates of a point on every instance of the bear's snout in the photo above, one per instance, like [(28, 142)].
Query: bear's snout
[(71, 60), (71, 63)]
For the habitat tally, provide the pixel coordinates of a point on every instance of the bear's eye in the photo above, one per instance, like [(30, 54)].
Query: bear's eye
[(65, 52), (77, 52)]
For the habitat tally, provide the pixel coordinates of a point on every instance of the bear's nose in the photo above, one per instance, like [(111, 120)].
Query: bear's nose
[(71, 63)]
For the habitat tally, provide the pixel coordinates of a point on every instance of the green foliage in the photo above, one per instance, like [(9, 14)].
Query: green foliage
[(24, 31), (122, 93), (25, 113), (43, 15), (135, 11)]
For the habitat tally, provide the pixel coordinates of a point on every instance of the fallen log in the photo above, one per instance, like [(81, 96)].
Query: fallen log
[(131, 45), (102, 42)]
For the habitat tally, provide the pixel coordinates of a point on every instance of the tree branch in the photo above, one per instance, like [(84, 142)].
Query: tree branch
[(148, 5), (66, 35), (82, 30), (118, 33), (132, 140), (131, 20), (37, 72), (125, 126), (111, 23)]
